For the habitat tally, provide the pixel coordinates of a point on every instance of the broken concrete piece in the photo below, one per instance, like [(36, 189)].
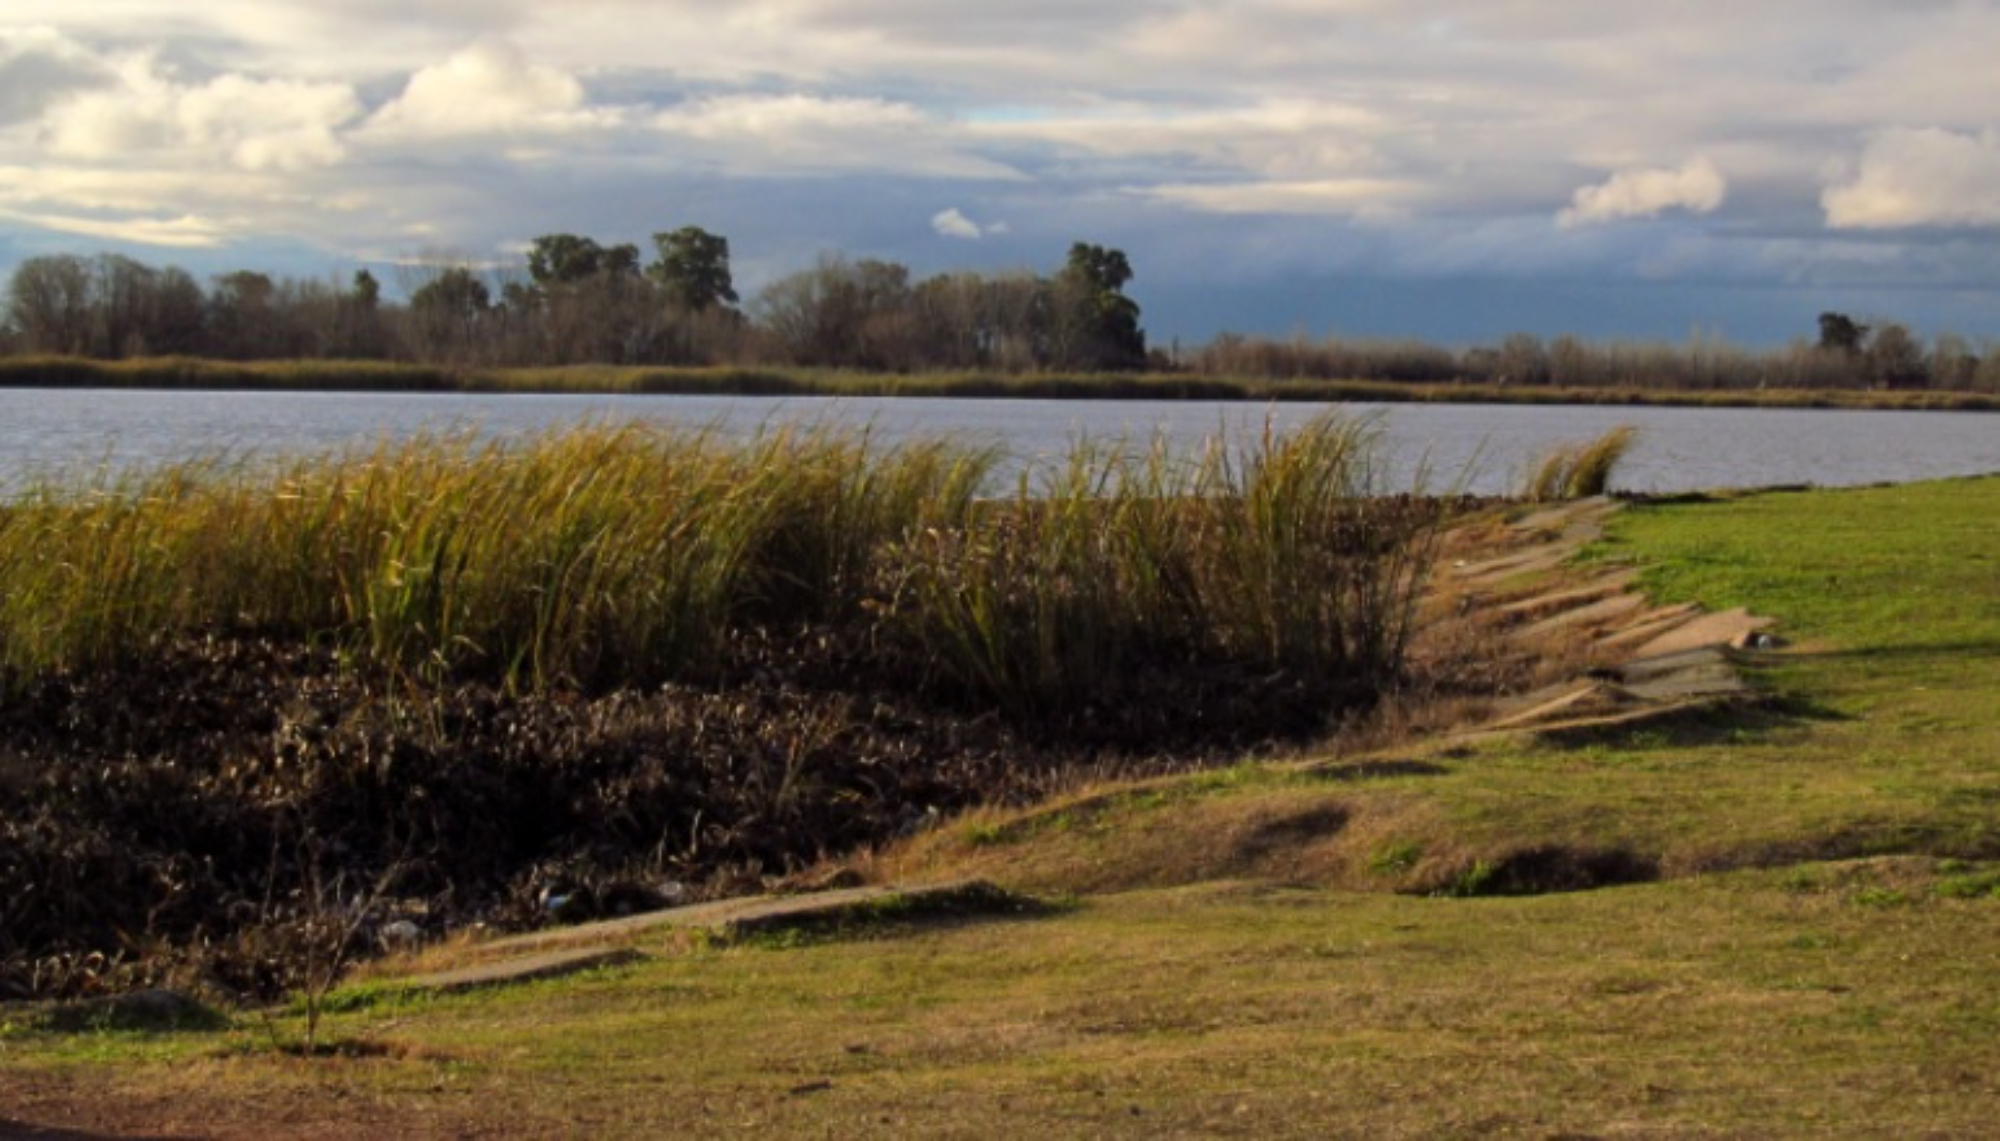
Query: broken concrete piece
[(1582, 618), (1646, 627), (1575, 596), (1583, 515), (1711, 630), (549, 965), (1535, 560)]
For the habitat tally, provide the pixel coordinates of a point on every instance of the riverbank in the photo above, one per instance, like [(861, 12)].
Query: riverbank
[(579, 665), (1825, 903), (374, 376)]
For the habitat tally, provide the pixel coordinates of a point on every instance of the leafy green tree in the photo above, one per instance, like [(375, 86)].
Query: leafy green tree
[(1097, 325), (1839, 333), (456, 293), (568, 259), (693, 267)]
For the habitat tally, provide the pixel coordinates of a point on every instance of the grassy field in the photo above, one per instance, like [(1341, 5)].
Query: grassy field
[(384, 376), (1808, 947)]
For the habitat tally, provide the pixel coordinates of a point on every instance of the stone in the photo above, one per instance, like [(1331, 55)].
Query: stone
[(157, 1010), (1710, 630), (730, 918), (528, 968), (1597, 613)]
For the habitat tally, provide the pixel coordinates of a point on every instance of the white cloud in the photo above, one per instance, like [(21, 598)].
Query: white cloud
[(1333, 197), (488, 87), (802, 134), (788, 117), (184, 232), (1697, 187), (954, 224), (246, 122), (1920, 178)]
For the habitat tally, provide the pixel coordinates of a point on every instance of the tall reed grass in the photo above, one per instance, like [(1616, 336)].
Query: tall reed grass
[(1281, 556), (1578, 471), (600, 556)]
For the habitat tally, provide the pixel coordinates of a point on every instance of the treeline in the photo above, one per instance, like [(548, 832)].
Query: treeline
[(1845, 355), (574, 301)]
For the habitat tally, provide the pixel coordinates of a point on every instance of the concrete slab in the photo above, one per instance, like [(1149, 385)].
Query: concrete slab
[(1714, 682), (1575, 596), (589, 946), (734, 917), (1675, 657), (1536, 560), (1665, 665), (1586, 697), (1705, 672), (1562, 516), (1710, 630), (1644, 628), (1623, 717), (1585, 617), (529, 968)]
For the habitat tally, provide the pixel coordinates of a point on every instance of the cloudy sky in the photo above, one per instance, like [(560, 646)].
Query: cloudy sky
[(1445, 168)]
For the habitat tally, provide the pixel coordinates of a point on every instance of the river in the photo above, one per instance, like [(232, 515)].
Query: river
[(1485, 447)]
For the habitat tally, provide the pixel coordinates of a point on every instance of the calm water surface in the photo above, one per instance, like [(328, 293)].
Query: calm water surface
[(55, 432)]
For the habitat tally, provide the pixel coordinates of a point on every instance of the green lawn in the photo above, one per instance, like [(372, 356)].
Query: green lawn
[(1817, 955)]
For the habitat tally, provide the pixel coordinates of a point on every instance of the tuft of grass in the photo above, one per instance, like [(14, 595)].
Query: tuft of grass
[(1578, 471), (1395, 858), (1591, 473), (1285, 556)]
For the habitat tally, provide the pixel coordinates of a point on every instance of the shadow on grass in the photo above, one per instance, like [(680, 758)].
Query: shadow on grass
[(895, 915), (14, 1128), (1978, 648), (1862, 840), (1729, 723), (145, 1011), (1545, 869), (1349, 771)]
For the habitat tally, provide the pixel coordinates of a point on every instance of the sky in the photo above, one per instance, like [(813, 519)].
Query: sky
[(1445, 169)]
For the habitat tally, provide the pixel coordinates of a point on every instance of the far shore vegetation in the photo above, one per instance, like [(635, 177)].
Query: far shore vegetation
[(211, 375), (579, 316)]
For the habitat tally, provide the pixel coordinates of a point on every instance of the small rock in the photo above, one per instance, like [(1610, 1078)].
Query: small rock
[(1758, 640), (839, 879), (402, 935), (155, 1010)]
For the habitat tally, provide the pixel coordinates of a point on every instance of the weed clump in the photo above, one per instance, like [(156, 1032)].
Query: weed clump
[(1578, 471)]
